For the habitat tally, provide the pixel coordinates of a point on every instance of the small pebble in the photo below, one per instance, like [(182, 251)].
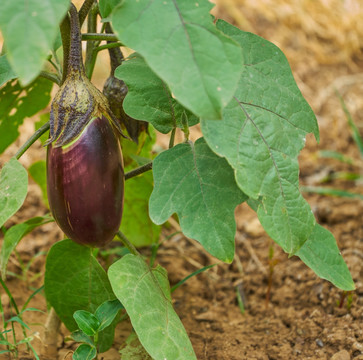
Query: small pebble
[(357, 347), (319, 343), (341, 355)]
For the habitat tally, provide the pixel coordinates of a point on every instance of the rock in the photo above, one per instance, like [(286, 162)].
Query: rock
[(341, 355)]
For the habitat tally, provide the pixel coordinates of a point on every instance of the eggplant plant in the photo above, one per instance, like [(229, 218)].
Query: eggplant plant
[(184, 69)]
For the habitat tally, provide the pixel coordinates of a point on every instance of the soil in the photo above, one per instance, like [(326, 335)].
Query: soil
[(303, 317)]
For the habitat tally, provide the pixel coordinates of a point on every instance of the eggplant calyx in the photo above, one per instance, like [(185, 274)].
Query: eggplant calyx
[(77, 101)]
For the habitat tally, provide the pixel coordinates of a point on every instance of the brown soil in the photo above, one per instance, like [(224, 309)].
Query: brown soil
[(303, 318)]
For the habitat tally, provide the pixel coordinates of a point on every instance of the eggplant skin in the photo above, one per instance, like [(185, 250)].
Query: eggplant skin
[(85, 184)]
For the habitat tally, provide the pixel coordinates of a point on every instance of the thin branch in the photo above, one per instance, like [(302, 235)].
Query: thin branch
[(96, 36), (125, 241), (172, 138), (50, 76), (139, 170), (32, 140), (109, 46)]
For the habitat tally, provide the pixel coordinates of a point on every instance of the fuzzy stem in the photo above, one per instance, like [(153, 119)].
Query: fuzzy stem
[(65, 29), (84, 10), (75, 62), (91, 27), (116, 56), (139, 170), (32, 140)]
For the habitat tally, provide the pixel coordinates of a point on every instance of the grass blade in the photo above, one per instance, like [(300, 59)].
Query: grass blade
[(330, 191), (181, 282)]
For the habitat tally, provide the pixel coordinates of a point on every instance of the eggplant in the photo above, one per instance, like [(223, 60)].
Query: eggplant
[(86, 185), (116, 90), (85, 176)]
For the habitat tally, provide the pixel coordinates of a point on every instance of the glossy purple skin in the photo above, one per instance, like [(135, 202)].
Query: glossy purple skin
[(86, 185)]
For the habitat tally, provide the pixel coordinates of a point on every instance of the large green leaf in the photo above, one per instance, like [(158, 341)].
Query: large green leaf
[(183, 47), (136, 223), (74, 280), (14, 235), (13, 189), (17, 103), (199, 186), (145, 298), (29, 29), (6, 72), (149, 98), (106, 6), (320, 252), (133, 350), (261, 134)]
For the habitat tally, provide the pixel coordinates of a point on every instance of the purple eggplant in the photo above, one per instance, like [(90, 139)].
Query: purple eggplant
[(86, 185), (85, 175)]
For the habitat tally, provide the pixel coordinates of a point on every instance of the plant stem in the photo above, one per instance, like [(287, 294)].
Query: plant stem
[(139, 170), (52, 326), (50, 76), (116, 56), (75, 60), (91, 63), (92, 28), (125, 241), (172, 138), (84, 10), (108, 46), (32, 140), (96, 36), (65, 29)]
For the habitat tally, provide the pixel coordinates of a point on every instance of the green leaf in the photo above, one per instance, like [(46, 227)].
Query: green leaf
[(13, 189), (183, 47), (149, 98), (29, 29), (6, 72), (74, 280), (133, 350), (17, 103), (85, 352), (322, 255), (87, 322), (136, 211), (261, 135), (133, 153), (37, 171), (18, 320), (80, 336), (199, 186), (14, 235), (107, 6), (152, 315), (107, 312)]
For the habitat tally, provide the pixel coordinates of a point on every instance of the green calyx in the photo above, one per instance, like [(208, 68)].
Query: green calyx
[(77, 101)]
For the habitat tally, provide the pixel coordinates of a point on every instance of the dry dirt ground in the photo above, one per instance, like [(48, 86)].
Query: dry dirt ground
[(323, 41)]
